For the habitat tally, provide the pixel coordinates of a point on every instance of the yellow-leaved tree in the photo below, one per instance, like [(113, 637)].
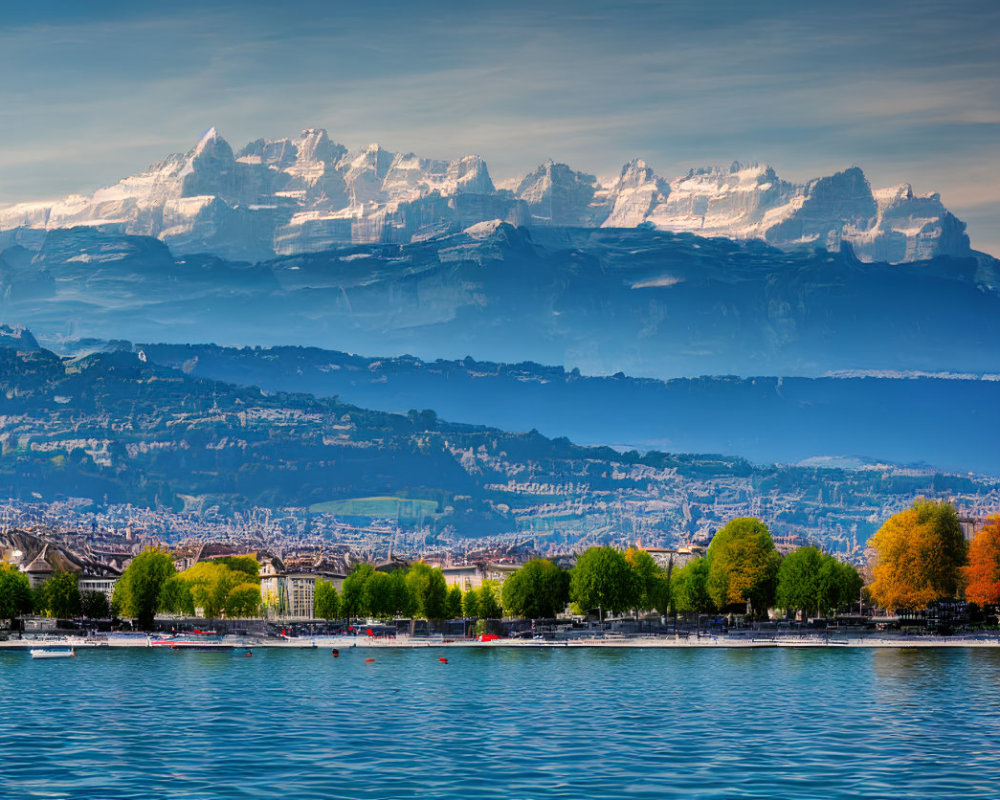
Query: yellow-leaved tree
[(918, 556)]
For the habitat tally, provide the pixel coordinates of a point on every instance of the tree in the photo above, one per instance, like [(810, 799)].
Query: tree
[(602, 579), (15, 592), (839, 585), (652, 581), (404, 603), (326, 600), (470, 603), (352, 599), (689, 588), (62, 595), (211, 583), (453, 603), (983, 571), (378, 595), (798, 581), (743, 565), (489, 600), (175, 596), (918, 556), (94, 605), (137, 593), (429, 590), (248, 565), (243, 600), (538, 589)]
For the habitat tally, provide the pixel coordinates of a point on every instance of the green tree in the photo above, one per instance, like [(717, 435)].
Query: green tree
[(743, 566), (248, 565), (175, 596), (243, 600), (652, 581), (839, 585), (489, 600), (137, 592), (470, 603), (798, 581), (352, 599), (538, 589), (211, 583), (453, 603), (689, 588), (404, 603), (94, 605), (326, 600), (602, 579), (62, 595), (429, 590), (15, 592), (918, 556), (379, 595)]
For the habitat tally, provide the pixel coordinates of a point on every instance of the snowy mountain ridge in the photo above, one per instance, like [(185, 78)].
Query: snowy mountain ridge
[(308, 193)]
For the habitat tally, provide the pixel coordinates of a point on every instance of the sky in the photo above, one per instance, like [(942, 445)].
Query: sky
[(909, 91)]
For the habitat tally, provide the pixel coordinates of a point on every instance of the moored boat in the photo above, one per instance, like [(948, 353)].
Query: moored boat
[(45, 653)]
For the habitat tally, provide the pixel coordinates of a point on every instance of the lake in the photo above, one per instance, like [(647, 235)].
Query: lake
[(502, 723)]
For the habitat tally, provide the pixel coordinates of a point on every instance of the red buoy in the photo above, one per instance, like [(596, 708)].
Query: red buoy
[(443, 660), (369, 660), (249, 654)]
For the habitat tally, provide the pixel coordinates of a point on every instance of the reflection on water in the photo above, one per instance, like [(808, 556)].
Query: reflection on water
[(502, 723)]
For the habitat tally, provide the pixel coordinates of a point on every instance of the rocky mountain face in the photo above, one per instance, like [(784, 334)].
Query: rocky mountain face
[(639, 301), (308, 194)]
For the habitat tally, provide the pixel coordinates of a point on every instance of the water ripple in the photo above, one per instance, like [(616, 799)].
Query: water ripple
[(502, 724)]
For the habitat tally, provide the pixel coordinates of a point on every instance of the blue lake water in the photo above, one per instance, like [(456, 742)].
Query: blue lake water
[(497, 723)]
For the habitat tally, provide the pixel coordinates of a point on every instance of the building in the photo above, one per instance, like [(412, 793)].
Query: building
[(499, 572), (90, 583), (39, 570), (286, 595), (465, 576), (670, 559), (300, 595)]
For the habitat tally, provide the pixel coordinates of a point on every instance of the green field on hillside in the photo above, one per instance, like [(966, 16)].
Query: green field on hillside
[(378, 508)]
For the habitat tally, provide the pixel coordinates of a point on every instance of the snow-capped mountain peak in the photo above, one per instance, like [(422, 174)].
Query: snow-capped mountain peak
[(308, 193)]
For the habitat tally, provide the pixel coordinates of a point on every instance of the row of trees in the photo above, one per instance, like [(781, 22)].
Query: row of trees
[(59, 597), (418, 591), (224, 586), (742, 571), (918, 556), (921, 555)]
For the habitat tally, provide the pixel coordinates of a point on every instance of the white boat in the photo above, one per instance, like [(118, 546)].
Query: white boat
[(53, 653)]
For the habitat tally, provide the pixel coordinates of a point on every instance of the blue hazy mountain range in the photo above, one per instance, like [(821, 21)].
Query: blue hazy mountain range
[(638, 300), (112, 431), (831, 420)]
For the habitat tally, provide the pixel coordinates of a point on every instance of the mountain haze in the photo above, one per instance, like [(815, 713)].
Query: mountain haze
[(603, 300)]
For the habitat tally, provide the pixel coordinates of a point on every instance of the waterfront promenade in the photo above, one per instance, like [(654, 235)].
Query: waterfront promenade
[(651, 642)]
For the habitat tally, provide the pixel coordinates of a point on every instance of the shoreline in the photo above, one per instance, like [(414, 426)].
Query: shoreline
[(407, 642)]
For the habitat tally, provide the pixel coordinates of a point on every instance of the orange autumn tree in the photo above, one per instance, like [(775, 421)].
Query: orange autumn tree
[(982, 574), (919, 554)]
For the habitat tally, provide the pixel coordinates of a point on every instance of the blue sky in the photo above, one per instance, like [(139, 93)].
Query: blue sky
[(908, 91)]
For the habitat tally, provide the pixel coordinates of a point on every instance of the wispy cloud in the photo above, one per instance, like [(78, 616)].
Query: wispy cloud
[(906, 90)]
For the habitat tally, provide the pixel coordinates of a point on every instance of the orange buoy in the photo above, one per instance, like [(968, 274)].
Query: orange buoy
[(369, 660), (443, 660), (249, 654)]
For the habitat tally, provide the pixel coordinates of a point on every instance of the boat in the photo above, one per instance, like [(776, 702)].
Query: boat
[(44, 653)]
